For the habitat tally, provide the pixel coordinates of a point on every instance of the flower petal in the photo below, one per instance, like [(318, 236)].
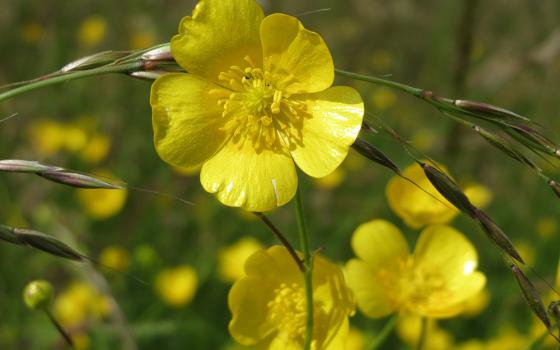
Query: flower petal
[(186, 119), (219, 35), (451, 259), (413, 205), (334, 121), (241, 177), (291, 51), (248, 302), (379, 242), (371, 295)]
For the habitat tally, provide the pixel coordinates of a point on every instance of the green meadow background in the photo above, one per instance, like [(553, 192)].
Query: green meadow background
[(504, 52)]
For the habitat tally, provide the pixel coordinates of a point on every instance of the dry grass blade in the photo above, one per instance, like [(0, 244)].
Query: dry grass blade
[(78, 180), (47, 244), (495, 233)]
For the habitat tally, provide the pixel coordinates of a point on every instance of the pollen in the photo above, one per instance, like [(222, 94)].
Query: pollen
[(257, 108)]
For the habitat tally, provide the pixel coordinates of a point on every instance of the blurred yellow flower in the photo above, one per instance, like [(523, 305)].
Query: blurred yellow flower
[(75, 138), (419, 209), (32, 32), (253, 103), (330, 181), (268, 304), (508, 339), (79, 303), (46, 137), (424, 138), (81, 341), (409, 328), (114, 257), (435, 281), (187, 171), (177, 286), (92, 31), (96, 148), (476, 304), (102, 204), (231, 259)]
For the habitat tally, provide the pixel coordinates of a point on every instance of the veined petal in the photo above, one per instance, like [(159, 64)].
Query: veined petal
[(186, 119), (219, 35), (371, 294), (450, 259), (333, 122), (379, 242), (291, 51), (241, 177)]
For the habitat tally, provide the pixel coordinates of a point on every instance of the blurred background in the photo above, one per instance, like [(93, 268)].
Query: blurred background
[(504, 52)]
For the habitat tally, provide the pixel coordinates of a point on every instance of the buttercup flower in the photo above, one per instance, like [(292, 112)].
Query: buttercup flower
[(269, 305), (231, 259), (435, 281), (419, 209), (177, 286), (257, 98)]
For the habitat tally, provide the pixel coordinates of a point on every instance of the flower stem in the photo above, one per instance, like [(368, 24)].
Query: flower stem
[(53, 79), (384, 333), (60, 329), (282, 239), (308, 273), (423, 334)]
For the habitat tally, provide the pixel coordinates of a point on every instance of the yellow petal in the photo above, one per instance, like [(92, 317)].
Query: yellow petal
[(334, 121), (379, 242), (450, 260), (248, 302), (186, 119), (241, 177), (413, 205), (290, 50), (369, 291), (220, 34)]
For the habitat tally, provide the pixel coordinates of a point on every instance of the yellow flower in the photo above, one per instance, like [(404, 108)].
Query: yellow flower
[(177, 286), (475, 305), (46, 137), (101, 204), (435, 281), (114, 257), (356, 340), (231, 259), (419, 209), (268, 304), (96, 148), (92, 31), (257, 98), (80, 302)]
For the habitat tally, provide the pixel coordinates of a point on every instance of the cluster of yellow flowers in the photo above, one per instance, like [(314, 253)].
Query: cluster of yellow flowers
[(256, 99)]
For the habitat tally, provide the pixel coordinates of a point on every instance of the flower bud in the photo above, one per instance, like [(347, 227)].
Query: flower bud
[(38, 294)]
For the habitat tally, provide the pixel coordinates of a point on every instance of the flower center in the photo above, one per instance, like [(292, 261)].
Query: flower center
[(407, 284), (257, 109), (288, 311)]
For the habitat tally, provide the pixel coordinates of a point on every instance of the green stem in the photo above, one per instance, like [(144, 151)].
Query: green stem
[(384, 333), (380, 81), (423, 334), (308, 273), (60, 329), (57, 79)]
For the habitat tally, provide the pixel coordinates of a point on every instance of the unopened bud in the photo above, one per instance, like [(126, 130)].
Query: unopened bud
[(495, 234), (487, 110), (74, 179), (372, 153), (160, 53), (47, 244), (449, 189), (38, 295), (95, 60), (531, 296), (24, 166)]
